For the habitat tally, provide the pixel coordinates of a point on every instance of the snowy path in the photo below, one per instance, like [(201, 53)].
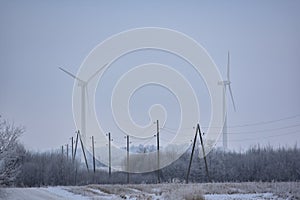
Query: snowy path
[(49, 193)]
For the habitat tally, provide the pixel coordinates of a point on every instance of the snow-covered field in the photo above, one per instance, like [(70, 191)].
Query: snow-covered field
[(209, 191)]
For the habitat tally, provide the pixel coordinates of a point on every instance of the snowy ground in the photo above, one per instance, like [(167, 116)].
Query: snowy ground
[(209, 191)]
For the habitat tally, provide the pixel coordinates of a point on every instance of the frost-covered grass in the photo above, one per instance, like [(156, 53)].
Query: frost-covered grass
[(197, 191), (281, 189), (173, 191), (142, 191), (256, 196)]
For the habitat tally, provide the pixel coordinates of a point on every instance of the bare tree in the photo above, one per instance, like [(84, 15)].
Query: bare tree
[(10, 152)]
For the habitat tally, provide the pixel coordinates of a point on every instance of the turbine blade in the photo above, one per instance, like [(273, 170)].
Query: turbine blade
[(70, 74), (228, 67), (230, 91), (96, 72)]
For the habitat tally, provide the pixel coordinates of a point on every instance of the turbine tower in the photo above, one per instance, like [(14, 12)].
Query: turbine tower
[(84, 94), (225, 84)]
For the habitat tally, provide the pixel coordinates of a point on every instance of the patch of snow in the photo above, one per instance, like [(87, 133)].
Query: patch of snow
[(96, 191), (258, 196), (61, 192)]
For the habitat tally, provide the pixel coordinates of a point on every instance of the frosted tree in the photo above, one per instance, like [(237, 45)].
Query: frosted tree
[(11, 152)]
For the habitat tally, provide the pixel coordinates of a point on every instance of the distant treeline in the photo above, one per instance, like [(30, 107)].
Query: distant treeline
[(256, 164)]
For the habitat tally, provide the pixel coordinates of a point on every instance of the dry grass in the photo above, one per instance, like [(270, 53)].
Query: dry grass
[(177, 191), (184, 193), (281, 189)]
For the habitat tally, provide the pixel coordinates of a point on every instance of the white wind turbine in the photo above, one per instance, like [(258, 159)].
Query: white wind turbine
[(226, 83), (84, 93)]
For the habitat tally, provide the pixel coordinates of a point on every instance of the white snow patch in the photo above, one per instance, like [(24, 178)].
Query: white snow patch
[(96, 191), (256, 196), (60, 191)]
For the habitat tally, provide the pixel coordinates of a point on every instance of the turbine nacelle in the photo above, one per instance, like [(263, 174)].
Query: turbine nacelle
[(84, 95), (81, 84), (224, 83)]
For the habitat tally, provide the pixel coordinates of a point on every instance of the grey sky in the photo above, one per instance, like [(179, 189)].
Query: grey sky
[(38, 37)]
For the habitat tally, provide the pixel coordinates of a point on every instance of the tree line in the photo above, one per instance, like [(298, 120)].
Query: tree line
[(19, 167)]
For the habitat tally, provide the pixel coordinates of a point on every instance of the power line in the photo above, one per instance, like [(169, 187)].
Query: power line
[(241, 125), (265, 130), (265, 122), (265, 137), (141, 138)]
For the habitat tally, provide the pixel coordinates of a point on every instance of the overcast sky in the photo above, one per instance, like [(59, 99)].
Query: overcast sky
[(37, 37)]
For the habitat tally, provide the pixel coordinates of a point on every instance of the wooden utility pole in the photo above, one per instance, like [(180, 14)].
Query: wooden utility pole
[(76, 142), (128, 167), (198, 130), (83, 151), (158, 161), (62, 149), (74, 155), (109, 155), (93, 146), (72, 142), (204, 155)]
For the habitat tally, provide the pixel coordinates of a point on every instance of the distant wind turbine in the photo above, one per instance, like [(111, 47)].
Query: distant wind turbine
[(84, 93), (226, 83)]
